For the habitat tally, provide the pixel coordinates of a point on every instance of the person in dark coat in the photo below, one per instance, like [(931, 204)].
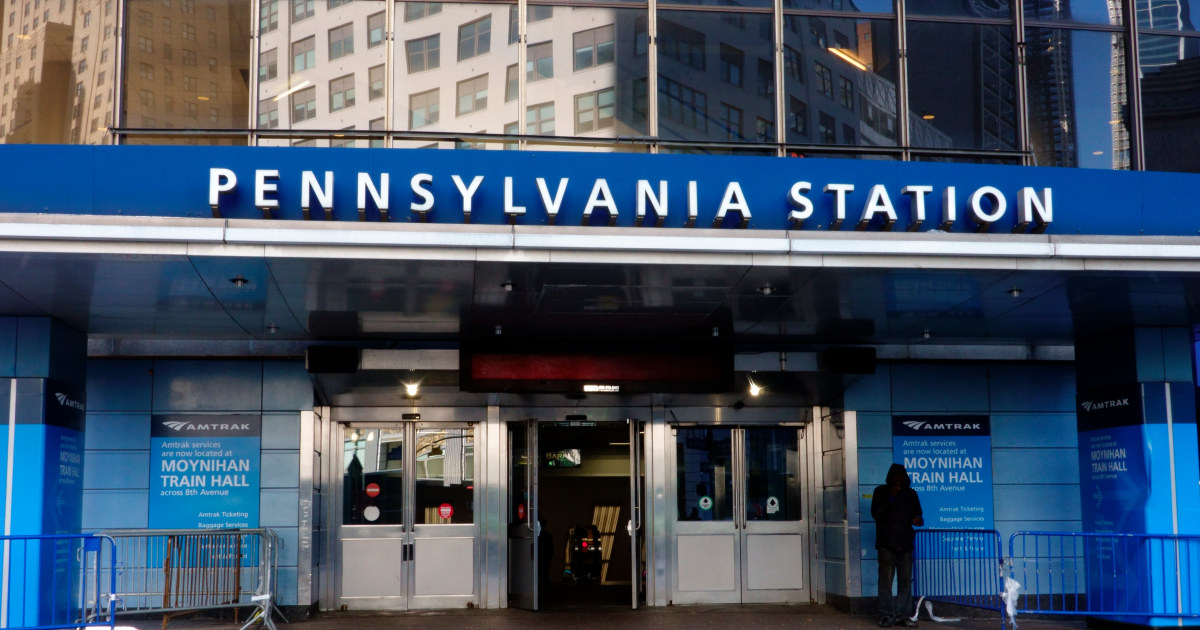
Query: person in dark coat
[(896, 509)]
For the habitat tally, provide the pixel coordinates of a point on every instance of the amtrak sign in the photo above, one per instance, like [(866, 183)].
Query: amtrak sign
[(637, 191)]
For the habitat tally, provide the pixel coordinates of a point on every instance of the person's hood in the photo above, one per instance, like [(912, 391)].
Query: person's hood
[(898, 472)]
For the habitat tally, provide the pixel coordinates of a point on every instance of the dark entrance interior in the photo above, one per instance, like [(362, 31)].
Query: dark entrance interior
[(584, 499)]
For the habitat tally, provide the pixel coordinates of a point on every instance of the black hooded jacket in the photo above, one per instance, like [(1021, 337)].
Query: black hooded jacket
[(894, 514)]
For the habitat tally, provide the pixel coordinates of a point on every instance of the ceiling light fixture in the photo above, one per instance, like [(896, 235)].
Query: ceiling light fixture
[(766, 290), (507, 285), (925, 334), (499, 329), (411, 389), (1015, 292), (239, 281), (754, 388), (272, 329)]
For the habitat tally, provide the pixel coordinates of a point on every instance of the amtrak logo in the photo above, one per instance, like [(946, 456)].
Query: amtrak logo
[(187, 426), (1089, 405), (923, 425), (916, 425), (67, 401)]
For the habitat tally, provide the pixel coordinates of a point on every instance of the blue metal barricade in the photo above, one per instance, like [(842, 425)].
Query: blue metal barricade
[(1132, 577), (959, 566), (54, 581)]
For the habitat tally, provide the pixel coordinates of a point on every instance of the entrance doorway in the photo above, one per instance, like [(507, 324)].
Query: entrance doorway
[(739, 529), (575, 519), (407, 532)]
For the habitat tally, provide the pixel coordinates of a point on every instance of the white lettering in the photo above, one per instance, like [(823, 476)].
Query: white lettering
[(734, 200), (1028, 202), (378, 195), (657, 202), (878, 201), (262, 187), (467, 192), (999, 205), (220, 181), (802, 207), (918, 201), (839, 200), (552, 205), (417, 183), (310, 186), (601, 197), (510, 210)]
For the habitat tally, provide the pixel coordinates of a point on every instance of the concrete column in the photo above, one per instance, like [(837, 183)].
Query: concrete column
[(42, 403)]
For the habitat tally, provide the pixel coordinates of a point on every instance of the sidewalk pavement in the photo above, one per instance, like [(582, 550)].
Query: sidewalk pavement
[(745, 617)]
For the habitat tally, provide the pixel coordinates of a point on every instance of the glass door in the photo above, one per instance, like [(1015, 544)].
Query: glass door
[(374, 537), (738, 529), (407, 530), (523, 528)]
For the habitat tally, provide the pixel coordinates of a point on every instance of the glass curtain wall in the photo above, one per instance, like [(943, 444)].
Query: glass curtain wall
[(1098, 89)]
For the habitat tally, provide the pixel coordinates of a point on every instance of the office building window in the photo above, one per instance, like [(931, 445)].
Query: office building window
[(146, 71), (376, 78), (268, 114), (798, 116), (418, 10), (304, 104), (376, 141), (731, 122), (304, 54), (333, 4), (188, 58), (188, 32), (826, 129), (766, 77), (189, 109), (303, 9), (268, 65), (342, 142), (849, 135), (594, 47), (146, 45), (423, 54), (475, 38), (511, 129), (167, 52), (146, 98), (472, 95), (539, 119), (538, 12), (511, 84), (539, 62), (189, 83), (733, 62), (268, 19), (375, 29), (595, 110), (764, 130), (681, 43), (166, 24), (341, 41), (641, 95), (793, 64), (682, 104), (341, 93), (824, 79), (423, 109), (846, 93)]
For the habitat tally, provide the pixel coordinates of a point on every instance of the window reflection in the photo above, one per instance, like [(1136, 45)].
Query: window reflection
[(1170, 114), (966, 100), (1077, 100)]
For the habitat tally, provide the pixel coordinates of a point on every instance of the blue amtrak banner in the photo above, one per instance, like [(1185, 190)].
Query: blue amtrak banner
[(949, 459), (1113, 482), (204, 471), (590, 189)]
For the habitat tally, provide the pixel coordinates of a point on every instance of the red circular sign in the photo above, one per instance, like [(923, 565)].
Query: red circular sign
[(521, 511), (445, 510), (372, 489)]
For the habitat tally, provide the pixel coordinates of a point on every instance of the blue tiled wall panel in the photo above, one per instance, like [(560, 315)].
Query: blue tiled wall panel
[(1149, 352), (280, 469), (872, 392), (1177, 354), (867, 536), (286, 386), (873, 465), (278, 508), (117, 431), (114, 509), (1035, 429), (1029, 388), (287, 544), (281, 430), (119, 385), (940, 388), (287, 585), (870, 576), (181, 386), (874, 430), (116, 470), (1034, 466), (8, 346), (1036, 503)]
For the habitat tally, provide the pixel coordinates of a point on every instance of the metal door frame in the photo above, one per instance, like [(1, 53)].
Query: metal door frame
[(716, 417), (376, 418)]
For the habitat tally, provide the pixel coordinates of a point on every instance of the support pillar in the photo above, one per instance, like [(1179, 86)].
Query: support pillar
[(1138, 472), (42, 378)]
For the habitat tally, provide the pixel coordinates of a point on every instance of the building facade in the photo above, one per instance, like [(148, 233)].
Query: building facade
[(693, 273)]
